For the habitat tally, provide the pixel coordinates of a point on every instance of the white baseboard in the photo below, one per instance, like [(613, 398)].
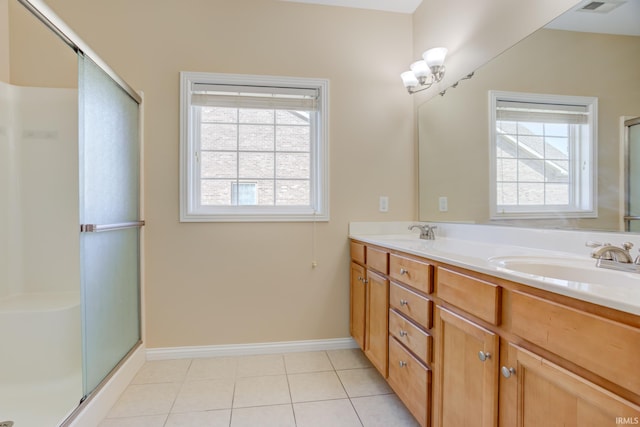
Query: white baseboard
[(98, 406), (195, 352)]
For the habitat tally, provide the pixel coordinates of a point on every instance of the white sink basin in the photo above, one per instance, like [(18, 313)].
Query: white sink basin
[(567, 269)]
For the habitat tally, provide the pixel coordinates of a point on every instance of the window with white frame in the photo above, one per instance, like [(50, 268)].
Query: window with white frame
[(543, 155), (253, 148)]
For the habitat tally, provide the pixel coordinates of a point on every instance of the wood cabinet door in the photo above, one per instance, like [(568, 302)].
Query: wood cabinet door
[(546, 395), (466, 392), (377, 324), (358, 295)]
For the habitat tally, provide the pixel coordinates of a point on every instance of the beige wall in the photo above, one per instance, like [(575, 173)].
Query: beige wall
[(4, 40), (221, 283), (454, 129), (38, 57)]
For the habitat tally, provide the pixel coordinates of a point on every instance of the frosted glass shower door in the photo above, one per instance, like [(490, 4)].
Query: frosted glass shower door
[(632, 218), (109, 214)]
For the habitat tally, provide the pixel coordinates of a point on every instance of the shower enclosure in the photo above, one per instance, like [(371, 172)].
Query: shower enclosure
[(69, 218), (632, 174)]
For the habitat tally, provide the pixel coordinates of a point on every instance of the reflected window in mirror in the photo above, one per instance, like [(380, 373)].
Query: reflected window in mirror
[(543, 155)]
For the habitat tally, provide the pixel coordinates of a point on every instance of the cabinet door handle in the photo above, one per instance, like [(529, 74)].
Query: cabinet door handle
[(403, 333), (507, 372), (403, 364), (403, 271), (404, 302), (483, 356), (365, 281), (360, 278)]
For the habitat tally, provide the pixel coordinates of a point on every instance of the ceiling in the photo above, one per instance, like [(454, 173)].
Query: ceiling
[(401, 6), (623, 19), (613, 17), (619, 16)]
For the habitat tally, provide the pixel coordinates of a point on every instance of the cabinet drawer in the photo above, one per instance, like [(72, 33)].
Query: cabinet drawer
[(606, 348), (378, 260), (412, 305), (411, 272), (357, 252), (411, 381), (479, 298), (412, 337)]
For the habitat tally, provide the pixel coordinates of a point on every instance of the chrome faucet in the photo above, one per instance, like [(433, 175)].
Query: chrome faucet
[(614, 257), (610, 252), (427, 231)]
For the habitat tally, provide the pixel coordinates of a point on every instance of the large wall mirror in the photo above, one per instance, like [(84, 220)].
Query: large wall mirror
[(581, 54)]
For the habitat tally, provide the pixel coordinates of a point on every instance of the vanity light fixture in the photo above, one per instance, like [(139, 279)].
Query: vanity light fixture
[(426, 72)]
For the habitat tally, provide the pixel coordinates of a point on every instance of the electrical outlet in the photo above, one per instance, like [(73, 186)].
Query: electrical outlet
[(443, 204), (384, 204)]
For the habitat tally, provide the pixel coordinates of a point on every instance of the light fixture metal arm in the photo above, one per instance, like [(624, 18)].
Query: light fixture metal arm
[(426, 83)]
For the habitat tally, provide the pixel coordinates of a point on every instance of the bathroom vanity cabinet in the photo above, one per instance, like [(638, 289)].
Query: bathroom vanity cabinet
[(467, 348), (396, 318)]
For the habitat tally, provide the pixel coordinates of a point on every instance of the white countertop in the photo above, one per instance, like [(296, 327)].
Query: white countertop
[(477, 248)]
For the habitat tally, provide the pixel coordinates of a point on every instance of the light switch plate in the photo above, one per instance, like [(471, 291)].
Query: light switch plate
[(384, 204), (443, 204)]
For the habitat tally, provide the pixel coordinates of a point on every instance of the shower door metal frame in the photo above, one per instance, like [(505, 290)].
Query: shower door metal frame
[(49, 18)]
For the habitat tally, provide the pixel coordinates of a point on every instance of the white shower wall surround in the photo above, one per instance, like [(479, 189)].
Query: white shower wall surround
[(39, 155), (39, 253), (40, 366)]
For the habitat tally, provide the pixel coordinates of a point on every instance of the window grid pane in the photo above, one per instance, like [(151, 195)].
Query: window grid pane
[(264, 153), (532, 163), (243, 193)]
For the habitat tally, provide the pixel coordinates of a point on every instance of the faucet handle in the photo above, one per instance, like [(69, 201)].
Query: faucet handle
[(627, 245)]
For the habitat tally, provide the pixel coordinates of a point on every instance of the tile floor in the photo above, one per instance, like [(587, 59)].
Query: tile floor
[(337, 388)]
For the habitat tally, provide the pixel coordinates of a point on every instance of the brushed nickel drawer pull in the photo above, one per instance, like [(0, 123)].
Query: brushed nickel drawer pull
[(507, 372), (483, 356)]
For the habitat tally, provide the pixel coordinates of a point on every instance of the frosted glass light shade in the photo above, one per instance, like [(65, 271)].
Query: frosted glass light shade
[(435, 57), (409, 79), (420, 69)]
